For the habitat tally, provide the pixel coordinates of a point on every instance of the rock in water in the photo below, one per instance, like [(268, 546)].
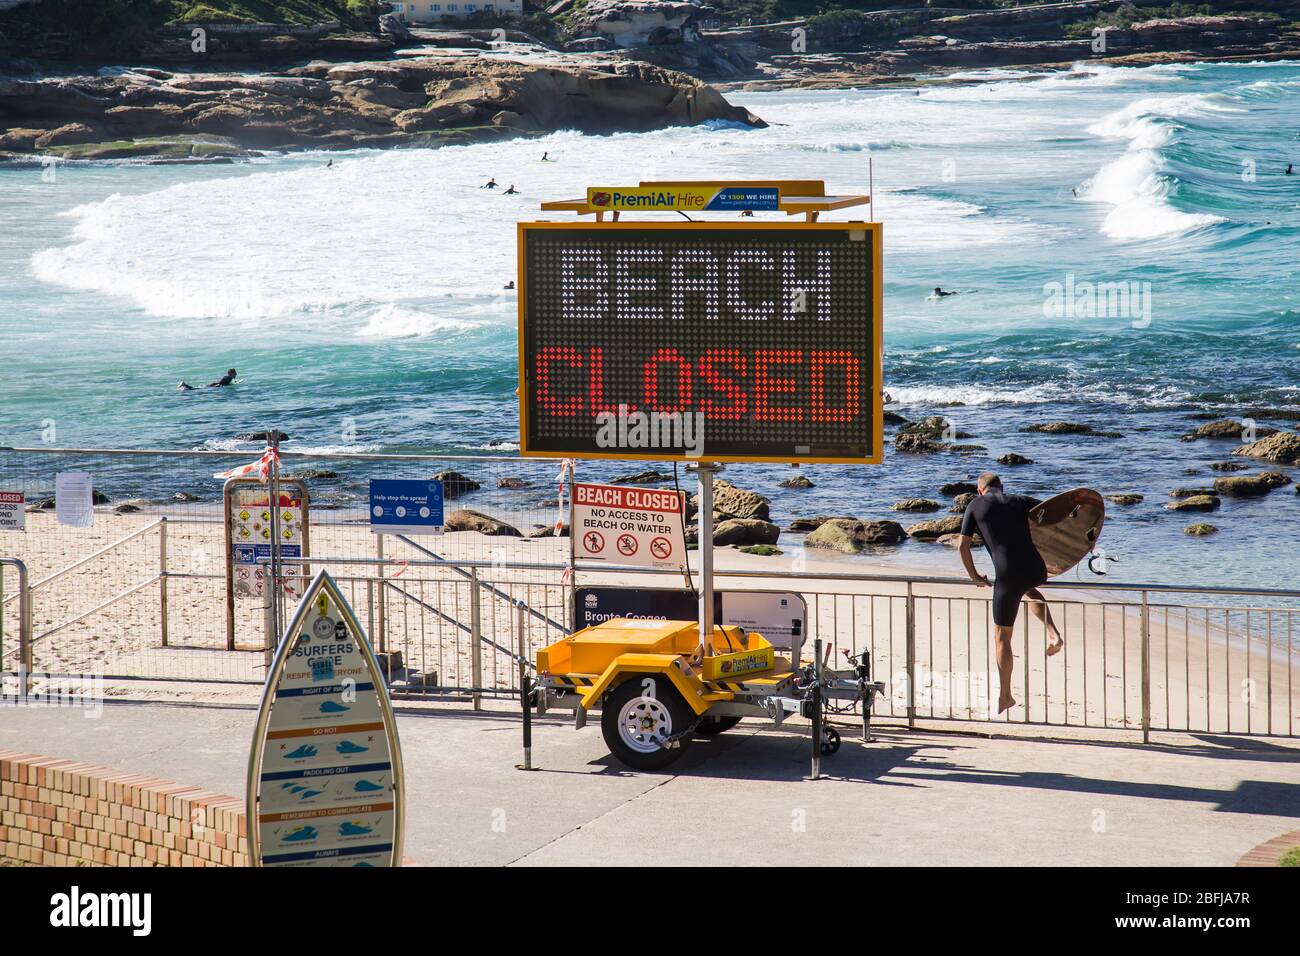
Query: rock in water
[(1125, 498), (962, 502), (1226, 428), (1200, 529), (1283, 447), (465, 520), (849, 536), (454, 484), (934, 530), (1069, 428), (1194, 503), (917, 504), (732, 502), (745, 531), (641, 478), (798, 481), (1011, 458), (916, 444), (1250, 486)]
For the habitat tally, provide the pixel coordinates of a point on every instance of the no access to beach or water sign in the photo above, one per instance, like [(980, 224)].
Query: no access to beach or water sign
[(12, 514), (632, 526)]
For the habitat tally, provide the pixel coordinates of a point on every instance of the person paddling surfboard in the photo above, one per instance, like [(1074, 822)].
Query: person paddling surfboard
[(225, 380), (1002, 521)]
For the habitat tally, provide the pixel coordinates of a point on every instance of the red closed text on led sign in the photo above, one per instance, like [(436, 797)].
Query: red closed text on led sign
[(700, 341)]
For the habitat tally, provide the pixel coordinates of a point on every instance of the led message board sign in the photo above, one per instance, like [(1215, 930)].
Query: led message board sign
[(713, 341)]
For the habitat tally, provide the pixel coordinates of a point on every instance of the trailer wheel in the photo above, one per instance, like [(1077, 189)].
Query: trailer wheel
[(712, 726), (638, 715), (830, 741)]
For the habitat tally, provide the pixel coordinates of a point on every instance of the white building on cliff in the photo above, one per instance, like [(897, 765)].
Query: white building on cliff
[(431, 11)]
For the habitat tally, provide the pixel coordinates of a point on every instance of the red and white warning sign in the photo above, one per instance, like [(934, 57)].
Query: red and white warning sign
[(634, 526), (12, 516)]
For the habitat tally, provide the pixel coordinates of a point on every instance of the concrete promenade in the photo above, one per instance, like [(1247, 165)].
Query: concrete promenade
[(919, 798)]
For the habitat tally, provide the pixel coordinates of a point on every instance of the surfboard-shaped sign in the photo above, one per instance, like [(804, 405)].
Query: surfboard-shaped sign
[(325, 783)]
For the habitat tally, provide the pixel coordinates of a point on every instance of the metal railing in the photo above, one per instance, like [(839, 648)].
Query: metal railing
[(457, 611), (24, 597)]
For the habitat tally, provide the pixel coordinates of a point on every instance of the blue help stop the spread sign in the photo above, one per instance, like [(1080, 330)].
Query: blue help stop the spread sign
[(325, 774), (405, 506)]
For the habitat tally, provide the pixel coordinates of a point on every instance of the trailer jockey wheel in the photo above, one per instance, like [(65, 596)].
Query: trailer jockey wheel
[(712, 726), (638, 716), (830, 741)]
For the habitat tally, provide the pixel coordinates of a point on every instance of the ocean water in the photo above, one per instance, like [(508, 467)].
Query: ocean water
[(364, 308)]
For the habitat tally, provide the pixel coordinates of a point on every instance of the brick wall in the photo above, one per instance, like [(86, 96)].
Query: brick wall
[(66, 813)]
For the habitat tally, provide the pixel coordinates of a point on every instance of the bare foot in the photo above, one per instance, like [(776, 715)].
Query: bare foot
[(1056, 647), (1005, 703)]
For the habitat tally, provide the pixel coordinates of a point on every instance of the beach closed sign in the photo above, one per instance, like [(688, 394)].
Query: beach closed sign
[(325, 773), (630, 526), (704, 340), (12, 514)]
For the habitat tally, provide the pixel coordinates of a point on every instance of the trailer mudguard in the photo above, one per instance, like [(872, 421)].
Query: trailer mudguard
[(628, 666)]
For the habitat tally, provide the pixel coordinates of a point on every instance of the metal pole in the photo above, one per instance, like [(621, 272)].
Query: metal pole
[(911, 657), (704, 519), (162, 580), (227, 496), (816, 772), (381, 637), (573, 554), (24, 623), (526, 692), (1146, 672), (273, 477), (476, 641)]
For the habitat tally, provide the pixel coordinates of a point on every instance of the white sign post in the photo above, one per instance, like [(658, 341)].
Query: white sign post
[(628, 526), (325, 781)]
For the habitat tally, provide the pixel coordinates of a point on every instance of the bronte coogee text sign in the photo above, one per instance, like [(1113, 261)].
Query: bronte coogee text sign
[(759, 342)]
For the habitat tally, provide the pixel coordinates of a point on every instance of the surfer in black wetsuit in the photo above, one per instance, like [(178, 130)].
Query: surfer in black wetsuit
[(1002, 521), (227, 379)]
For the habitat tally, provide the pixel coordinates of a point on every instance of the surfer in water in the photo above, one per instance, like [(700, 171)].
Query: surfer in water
[(1002, 521), (512, 191), (227, 379), (938, 293), (490, 184)]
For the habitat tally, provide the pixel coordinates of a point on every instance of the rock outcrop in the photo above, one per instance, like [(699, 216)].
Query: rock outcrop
[(636, 23), (422, 101)]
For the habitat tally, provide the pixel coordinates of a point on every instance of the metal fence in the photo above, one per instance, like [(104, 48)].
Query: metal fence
[(142, 595)]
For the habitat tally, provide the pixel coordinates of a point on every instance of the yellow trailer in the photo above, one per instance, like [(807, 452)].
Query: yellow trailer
[(656, 686)]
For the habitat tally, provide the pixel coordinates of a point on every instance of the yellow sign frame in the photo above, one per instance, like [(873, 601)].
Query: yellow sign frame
[(878, 299)]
